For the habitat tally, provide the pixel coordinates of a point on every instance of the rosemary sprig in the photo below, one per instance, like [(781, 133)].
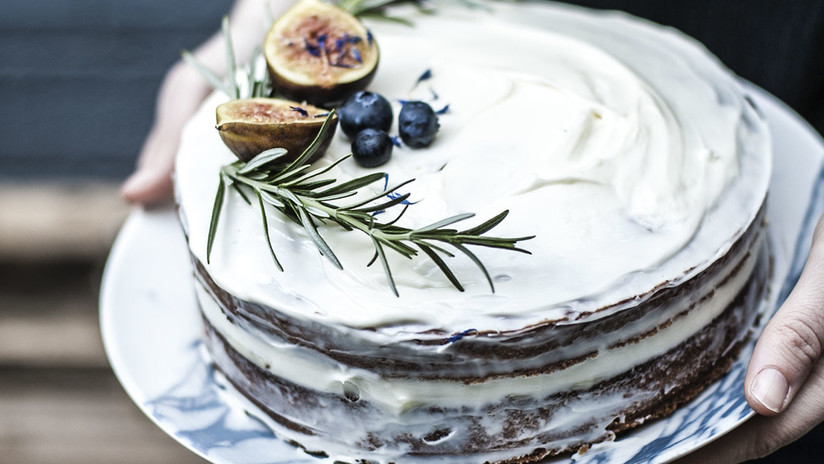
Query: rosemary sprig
[(301, 194)]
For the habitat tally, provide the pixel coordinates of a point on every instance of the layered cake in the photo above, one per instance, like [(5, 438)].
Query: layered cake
[(630, 154)]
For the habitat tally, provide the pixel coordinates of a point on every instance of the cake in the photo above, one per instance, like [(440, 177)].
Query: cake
[(627, 150)]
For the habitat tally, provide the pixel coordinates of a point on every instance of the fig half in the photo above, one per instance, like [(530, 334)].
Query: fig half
[(319, 53), (250, 126)]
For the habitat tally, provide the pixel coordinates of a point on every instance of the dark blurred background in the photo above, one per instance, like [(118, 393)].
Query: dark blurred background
[(78, 80)]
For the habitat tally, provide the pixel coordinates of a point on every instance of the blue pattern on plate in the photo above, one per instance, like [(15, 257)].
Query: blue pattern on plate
[(205, 409), (805, 237)]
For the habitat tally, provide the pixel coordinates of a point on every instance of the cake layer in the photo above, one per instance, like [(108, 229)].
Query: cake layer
[(478, 356), (447, 386), (513, 428)]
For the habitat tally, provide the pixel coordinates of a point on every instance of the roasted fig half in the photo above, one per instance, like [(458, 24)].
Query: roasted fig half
[(319, 53), (253, 125)]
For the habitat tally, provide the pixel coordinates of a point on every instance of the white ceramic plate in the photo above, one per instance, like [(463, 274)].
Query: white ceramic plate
[(151, 329)]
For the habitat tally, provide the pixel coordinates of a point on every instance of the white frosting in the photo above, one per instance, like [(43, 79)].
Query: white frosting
[(309, 369), (625, 150)]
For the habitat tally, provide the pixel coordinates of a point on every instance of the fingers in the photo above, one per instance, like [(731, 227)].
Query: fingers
[(762, 435), (181, 94), (791, 343), (148, 187), (785, 380), (151, 183)]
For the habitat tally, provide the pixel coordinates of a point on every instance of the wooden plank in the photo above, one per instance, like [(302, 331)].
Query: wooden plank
[(59, 401), (59, 221), (78, 416), (49, 314), (57, 340)]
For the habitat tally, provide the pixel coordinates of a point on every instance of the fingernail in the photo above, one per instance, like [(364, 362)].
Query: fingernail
[(770, 389)]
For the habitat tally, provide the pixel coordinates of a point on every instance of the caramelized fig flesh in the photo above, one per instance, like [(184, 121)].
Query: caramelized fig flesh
[(253, 125), (319, 53)]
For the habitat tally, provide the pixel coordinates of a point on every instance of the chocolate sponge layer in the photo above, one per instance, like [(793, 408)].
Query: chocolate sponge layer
[(512, 428), (540, 348)]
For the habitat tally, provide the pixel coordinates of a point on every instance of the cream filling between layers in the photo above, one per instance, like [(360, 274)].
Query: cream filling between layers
[(627, 151), (318, 373)]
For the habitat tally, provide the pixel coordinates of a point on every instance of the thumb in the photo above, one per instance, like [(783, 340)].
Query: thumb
[(791, 343), (148, 186), (152, 184)]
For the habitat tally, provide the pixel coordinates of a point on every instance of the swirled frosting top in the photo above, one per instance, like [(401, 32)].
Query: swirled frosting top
[(624, 147)]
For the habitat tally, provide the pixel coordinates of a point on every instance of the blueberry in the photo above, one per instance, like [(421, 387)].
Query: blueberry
[(365, 110), (417, 124), (372, 148)]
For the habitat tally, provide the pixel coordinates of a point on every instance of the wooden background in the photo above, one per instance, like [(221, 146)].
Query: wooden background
[(59, 400)]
